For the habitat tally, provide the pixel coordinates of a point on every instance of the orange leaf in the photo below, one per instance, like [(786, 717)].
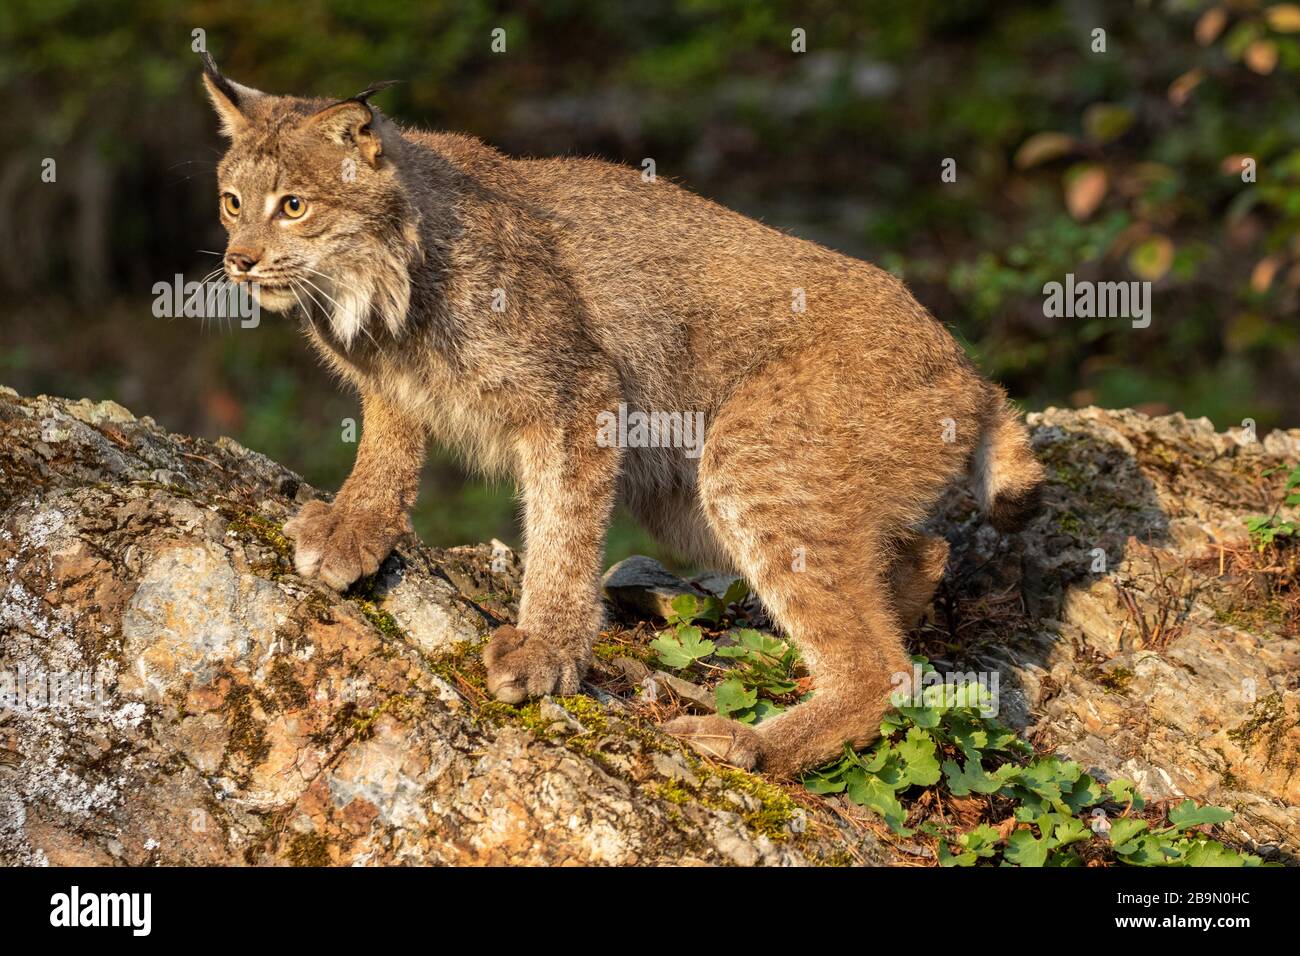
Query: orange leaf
[(1085, 188), (1180, 90), (1261, 277), (1211, 25), (1044, 147), (1261, 56), (1284, 17), (1231, 164)]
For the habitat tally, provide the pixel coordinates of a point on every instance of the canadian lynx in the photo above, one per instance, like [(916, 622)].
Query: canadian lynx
[(507, 307)]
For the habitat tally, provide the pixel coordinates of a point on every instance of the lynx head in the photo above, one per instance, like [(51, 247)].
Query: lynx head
[(313, 201)]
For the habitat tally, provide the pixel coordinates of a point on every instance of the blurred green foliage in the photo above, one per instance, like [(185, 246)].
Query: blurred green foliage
[(1119, 164)]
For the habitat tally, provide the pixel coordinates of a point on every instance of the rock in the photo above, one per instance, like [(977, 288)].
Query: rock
[(559, 719), (1119, 643), (171, 692), (692, 693), (632, 669), (643, 587)]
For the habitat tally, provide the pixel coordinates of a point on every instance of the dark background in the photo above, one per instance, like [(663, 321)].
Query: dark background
[(843, 144)]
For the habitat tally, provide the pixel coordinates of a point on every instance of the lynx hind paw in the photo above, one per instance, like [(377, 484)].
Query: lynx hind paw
[(727, 740), (521, 665)]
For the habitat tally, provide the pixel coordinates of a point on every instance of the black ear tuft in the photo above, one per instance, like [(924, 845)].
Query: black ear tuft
[(228, 89), (364, 95)]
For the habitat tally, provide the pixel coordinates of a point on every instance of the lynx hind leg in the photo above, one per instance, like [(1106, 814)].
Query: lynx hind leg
[(793, 490), (915, 574)]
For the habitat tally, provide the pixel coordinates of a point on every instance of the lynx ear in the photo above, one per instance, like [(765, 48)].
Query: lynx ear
[(231, 100), (352, 122)]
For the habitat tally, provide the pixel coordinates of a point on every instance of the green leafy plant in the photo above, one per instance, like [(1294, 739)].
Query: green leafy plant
[(760, 680), (1266, 529), (763, 675), (1052, 813)]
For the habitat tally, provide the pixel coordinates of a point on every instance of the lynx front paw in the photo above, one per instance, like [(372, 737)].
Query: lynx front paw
[(521, 665), (339, 545), (727, 740)]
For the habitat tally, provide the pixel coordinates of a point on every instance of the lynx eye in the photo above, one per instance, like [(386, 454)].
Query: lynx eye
[(293, 206), (230, 203)]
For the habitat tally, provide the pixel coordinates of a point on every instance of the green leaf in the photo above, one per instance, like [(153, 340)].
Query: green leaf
[(892, 723), (823, 785), (967, 734), (972, 778), (680, 648), (1188, 814), (946, 857), (1024, 849), (1125, 829), (733, 697), (1124, 791), (982, 840), (686, 608), (1149, 850), (762, 643), (1069, 830), (765, 709), (1086, 792), (872, 792), (874, 761), (710, 610), (1214, 853), (926, 717), (919, 760), (1043, 778), (736, 592)]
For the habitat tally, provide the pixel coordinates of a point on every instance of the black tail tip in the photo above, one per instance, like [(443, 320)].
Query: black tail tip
[(1011, 511)]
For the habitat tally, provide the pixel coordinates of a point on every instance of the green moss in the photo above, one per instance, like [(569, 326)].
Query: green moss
[(319, 607), (773, 807), (674, 791), (247, 736), (463, 663), (586, 710), (1059, 457), (289, 691), (250, 524), (611, 650), (1267, 711), (1116, 679), (384, 622), (776, 807), (520, 715), (362, 724), (1070, 523), (308, 849), (1254, 617)]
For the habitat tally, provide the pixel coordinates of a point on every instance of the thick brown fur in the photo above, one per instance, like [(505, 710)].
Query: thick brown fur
[(501, 305)]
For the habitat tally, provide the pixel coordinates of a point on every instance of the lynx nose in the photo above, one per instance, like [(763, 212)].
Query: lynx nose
[(242, 260)]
